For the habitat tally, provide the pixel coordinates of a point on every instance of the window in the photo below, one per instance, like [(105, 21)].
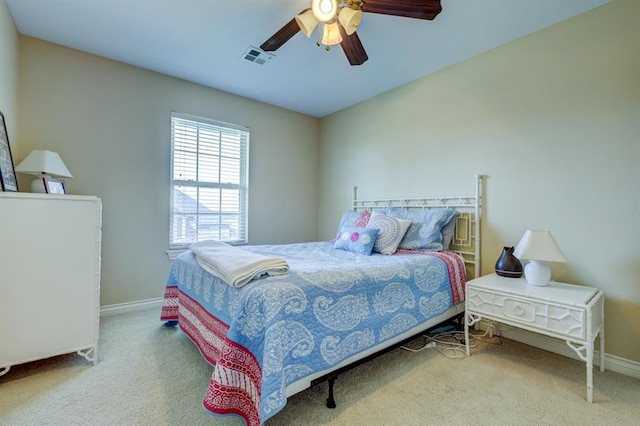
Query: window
[(209, 181)]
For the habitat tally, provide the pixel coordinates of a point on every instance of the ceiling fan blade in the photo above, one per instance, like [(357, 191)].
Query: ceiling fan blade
[(352, 47), (281, 36), (420, 9)]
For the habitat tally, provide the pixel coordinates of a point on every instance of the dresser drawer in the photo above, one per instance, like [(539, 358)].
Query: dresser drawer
[(563, 320)]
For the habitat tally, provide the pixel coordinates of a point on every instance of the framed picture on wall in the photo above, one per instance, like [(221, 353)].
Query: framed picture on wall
[(8, 180), (54, 186)]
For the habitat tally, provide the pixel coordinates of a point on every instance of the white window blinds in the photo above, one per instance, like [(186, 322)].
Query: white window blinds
[(209, 181)]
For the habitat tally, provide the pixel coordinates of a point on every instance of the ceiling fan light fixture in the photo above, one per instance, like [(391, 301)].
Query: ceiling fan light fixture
[(331, 35), (324, 10), (350, 19), (307, 22)]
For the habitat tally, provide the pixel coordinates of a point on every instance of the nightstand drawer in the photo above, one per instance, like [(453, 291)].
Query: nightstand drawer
[(563, 320)]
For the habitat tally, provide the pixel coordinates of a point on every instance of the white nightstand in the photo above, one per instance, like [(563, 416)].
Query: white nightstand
[(569, 312)]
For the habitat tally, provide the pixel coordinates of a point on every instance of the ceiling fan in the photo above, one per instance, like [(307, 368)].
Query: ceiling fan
[(340, 20)]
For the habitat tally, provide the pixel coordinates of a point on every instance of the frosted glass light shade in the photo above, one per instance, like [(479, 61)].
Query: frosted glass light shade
[(307, 22), (42, 162), (538, 247), (350, 19), (331, 35)]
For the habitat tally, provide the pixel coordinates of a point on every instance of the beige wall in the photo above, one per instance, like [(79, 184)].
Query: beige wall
[(553, 119), (110, 123), (9, 75)]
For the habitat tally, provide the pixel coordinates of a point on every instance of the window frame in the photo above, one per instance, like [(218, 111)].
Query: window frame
[(242, 187)]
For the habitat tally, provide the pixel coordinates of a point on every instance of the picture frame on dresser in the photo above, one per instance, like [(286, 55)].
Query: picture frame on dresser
[(8, 181), (53, 185)]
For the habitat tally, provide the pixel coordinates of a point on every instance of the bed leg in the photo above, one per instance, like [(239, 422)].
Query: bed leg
[(459, 322), (331, 403), (170, 323)]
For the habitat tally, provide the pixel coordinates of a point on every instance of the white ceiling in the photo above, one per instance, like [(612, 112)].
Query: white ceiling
[(203, 41)]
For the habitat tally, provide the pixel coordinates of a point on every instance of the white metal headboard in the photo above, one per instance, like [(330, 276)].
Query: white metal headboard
[(466, 239)]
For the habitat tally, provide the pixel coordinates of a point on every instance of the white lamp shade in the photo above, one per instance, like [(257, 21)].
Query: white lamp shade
[(350, 19), (307, 22), (331, 34), (539, 245), (42, 162), (324, 10)]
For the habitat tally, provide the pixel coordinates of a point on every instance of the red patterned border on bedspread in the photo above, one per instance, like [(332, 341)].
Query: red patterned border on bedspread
[(455, 267), (170, 304), (234, 387)]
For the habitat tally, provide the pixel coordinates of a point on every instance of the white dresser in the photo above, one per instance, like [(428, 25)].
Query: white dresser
[(565, 311), (49, 276)]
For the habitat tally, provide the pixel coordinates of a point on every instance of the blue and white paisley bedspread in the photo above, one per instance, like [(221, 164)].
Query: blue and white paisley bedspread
[(331, 305)]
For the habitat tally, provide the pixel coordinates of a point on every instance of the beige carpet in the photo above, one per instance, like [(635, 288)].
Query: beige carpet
[(151, 375)]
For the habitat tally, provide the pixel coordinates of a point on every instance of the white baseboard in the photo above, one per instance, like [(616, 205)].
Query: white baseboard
[(611, 362), (123, 308)]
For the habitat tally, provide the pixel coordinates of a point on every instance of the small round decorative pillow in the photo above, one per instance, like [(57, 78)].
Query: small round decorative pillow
[(390, 232)]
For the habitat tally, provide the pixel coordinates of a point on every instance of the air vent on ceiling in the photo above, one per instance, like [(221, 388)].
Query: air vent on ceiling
[(257, 55)]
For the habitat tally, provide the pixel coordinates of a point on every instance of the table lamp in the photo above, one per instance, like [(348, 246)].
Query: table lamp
[(538, 247), (42, 164)]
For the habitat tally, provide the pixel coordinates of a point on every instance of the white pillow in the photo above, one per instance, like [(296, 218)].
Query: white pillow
[(390, 232)]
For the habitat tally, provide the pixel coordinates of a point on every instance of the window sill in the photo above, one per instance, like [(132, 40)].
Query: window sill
[(173, 253)]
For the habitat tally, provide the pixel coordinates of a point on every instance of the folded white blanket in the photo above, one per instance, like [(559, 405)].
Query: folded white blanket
[(235, 266)]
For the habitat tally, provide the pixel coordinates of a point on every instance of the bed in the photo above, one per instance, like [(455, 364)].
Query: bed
[(332, 308)]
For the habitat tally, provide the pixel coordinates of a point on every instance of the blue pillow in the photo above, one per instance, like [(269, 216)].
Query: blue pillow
[(356, 239), (351, 218), (448, 232), (425, 232), (347, 219)]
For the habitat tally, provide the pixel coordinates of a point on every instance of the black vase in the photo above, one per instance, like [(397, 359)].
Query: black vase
[(508, 265)]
